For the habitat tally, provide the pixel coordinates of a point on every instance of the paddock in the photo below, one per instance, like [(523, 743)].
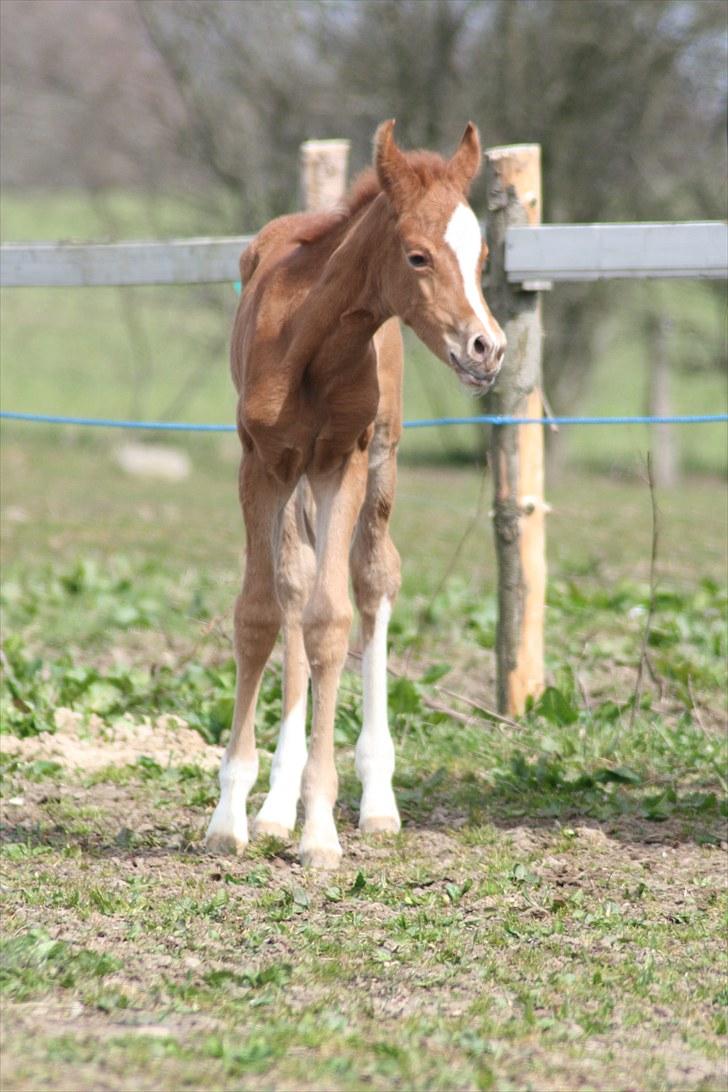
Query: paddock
[(550, 911)]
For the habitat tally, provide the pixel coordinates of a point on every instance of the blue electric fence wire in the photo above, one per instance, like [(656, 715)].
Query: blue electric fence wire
[(483, 419), (113, 422), (498, 419)]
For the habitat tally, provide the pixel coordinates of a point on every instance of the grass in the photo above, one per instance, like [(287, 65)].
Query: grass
[(552, 915), (618, 383)]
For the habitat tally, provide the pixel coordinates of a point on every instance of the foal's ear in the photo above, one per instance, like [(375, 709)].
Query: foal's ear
[(396, 177), (465, 163)]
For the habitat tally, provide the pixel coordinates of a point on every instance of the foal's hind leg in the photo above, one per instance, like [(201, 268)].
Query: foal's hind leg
[(295, 569), (375, 571), (257, 621)]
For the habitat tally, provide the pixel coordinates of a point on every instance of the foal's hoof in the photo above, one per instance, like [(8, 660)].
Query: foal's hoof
[(324, 859), (266, 828), (380, 824), (224, 844)]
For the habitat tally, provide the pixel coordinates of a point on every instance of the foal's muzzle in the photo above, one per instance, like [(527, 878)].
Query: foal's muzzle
[(478, 362)]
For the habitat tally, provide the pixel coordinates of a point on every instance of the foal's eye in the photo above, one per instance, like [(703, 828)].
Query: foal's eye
[(418, 260)]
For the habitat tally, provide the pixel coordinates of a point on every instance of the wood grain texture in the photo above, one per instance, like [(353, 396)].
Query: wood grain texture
[(513, 178)]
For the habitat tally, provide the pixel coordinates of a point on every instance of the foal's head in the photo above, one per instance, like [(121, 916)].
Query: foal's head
[(433, 280)]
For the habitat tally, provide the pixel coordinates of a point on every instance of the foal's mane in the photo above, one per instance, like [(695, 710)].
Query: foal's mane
[(316, 226)]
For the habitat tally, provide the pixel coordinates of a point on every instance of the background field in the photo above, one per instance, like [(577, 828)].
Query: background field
[(552, 914), (161, 353)]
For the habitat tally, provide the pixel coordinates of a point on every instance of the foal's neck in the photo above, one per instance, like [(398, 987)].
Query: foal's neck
[(345, 307)]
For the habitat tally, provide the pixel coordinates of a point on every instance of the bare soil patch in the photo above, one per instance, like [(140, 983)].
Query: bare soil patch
[(89, 744)]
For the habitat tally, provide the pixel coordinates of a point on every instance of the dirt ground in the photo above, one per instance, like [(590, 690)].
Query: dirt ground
[(498, 954)]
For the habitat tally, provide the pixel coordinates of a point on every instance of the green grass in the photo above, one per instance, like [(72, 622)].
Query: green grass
[(551, 914), (73, 217), (696, 348), (32, 960)]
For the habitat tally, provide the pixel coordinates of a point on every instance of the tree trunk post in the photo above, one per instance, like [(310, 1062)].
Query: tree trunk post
[(513, 178), (323, 173)]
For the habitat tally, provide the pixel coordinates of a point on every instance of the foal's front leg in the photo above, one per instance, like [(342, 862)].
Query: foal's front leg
[(375, 570), (326, 624), (257, 621)]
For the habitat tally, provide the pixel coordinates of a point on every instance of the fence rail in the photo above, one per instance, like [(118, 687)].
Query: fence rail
[(180, 261), (591, 252), (570, 252)]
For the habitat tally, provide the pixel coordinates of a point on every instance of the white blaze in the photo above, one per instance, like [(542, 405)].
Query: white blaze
[(285, 775), (463, 237), (374, 748)]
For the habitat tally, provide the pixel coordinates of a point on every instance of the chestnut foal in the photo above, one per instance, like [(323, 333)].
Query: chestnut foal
[(317, 363)]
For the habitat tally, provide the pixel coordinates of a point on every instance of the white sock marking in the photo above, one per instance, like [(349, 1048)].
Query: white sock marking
[(229, 819), (319, 831), (285, 775), (463, 237), (374, 748)]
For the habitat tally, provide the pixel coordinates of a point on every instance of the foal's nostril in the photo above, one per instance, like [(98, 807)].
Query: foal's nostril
[(499, 354), (478, 347)]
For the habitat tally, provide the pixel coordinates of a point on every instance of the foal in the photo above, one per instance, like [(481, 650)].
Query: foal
[(317, 363)]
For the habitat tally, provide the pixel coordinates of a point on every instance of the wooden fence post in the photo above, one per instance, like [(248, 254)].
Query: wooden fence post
[(513, 177), (323, 173)]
